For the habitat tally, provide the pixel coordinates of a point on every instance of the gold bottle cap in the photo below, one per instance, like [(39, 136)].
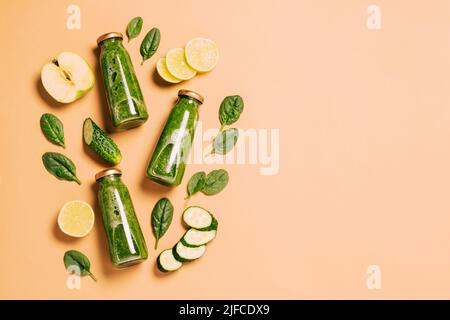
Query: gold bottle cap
[(191, 94), (107, 172), (109, 35)]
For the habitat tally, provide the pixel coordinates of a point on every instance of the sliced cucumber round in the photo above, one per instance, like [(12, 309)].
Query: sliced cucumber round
[(166, 261), (184, 253), (213, 226), (199, 218), (100, 143), (196, 238)]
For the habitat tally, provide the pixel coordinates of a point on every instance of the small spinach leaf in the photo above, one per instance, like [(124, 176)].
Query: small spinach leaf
[(161, 218), (60, 166), (196, 183), (225, 141), (230, 110), (150, 44), (53, 129), (215, 182), (134, 28), (76, 258)]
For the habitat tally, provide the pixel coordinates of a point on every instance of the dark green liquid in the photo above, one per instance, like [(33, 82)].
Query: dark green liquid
[(125, 240), (123, 93), (168, 161)]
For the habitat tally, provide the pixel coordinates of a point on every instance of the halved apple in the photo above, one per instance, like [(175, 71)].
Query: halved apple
[(67, 78)]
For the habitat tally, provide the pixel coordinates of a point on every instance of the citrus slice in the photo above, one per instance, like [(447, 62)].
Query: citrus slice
[(76, 218), (177, 65), (202, 54), (161, 67)]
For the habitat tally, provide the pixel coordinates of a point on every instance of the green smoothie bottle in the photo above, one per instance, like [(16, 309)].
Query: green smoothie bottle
[(169, 157), (124, 96), (125, 240)]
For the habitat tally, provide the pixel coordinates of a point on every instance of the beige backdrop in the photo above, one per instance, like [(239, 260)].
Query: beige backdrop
[(364, 123)]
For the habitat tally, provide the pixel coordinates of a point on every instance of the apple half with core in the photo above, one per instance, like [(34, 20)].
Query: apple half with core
[(67, 78)]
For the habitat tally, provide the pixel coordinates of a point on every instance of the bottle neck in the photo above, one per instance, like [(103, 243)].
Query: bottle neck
[(188, 100), (109, 178), (112, 42)]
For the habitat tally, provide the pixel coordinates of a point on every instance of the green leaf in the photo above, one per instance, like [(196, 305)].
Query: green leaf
[(76, 258), (60, 166), (215, 182), (196, 183), (134, 28), (230, 110), (53, 129), (225, 141), (150, 44), (161, 218)]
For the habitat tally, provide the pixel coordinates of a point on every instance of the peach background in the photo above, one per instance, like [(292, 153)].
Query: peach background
[(364, 174)]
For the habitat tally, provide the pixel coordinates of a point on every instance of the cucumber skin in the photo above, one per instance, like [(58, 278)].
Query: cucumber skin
[(187, 244), (161, 268), (213, 226), (103, 145), (177, 257), (184, 243)]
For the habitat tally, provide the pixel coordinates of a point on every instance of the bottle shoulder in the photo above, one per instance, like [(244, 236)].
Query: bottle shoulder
[(182, 106), (112, 184), (117, 50)]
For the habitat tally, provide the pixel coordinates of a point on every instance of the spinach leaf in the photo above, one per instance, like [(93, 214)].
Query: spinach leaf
[(150, 44), (134, 28), (76, 258), (230, 110), (60, 166), (53, 129), (196, 183), (161, 218), (225, 141), (215, 182)]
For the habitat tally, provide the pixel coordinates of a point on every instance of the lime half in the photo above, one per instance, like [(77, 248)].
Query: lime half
[(76, 218)]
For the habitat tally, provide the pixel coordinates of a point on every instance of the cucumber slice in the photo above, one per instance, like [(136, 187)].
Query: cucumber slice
[(196, 238), (213, 226), (166, 261), (199, 218), (184, 253), (100, 143)]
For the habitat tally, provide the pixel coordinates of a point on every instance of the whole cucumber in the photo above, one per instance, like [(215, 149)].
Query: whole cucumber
[(100, 143)]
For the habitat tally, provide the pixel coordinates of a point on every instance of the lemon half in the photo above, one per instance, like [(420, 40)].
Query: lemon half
[(177, 64), (164, 73), (202, 54), (76, 218)]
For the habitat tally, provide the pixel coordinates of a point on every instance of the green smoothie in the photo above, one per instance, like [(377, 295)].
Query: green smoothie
[(126, 242), (123, 93), (168, 162)]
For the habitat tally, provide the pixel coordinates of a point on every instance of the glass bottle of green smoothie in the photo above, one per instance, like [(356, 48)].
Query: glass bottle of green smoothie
[(168, 162), (125, 240), (123, 94)]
